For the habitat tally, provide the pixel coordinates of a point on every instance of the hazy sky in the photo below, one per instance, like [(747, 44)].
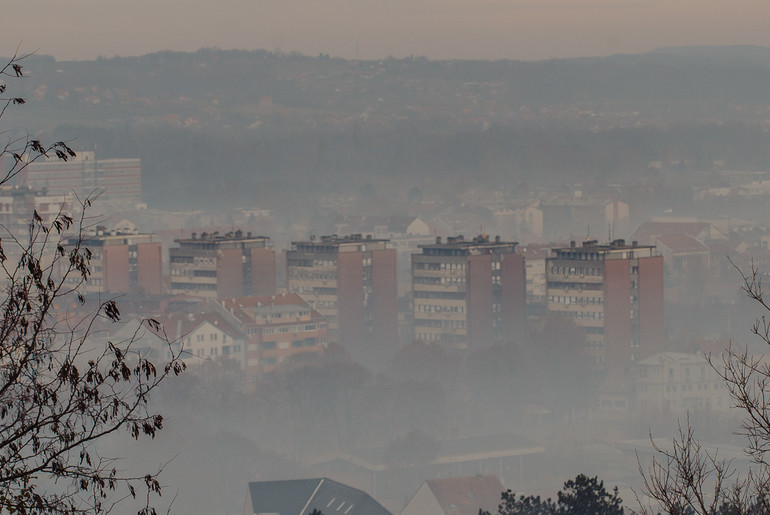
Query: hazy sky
[(440, 29)]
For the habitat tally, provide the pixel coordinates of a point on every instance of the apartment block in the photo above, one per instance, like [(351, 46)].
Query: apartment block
[(121, 262), (468, 293), (278, 327), (117, 181), (220, 266), (17, 206), (615, 293), (351, 281), (204, 337)]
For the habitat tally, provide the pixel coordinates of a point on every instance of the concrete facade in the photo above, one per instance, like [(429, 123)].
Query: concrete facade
[(615, 293), (468, 294)]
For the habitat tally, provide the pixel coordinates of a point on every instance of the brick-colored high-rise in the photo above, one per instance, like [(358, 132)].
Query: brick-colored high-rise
[(614, 292), (121, 262), (468, 293), (351, 280), (223, 266)]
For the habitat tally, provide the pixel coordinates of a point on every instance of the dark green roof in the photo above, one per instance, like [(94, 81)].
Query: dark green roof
[(302, 496)]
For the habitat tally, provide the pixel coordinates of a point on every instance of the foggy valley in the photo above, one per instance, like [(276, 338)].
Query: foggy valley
[(388, 275)]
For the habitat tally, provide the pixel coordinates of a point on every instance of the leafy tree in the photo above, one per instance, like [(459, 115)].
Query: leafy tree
[(59, 393)]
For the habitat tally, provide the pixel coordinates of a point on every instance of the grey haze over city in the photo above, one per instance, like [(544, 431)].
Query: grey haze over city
[(412, 254)]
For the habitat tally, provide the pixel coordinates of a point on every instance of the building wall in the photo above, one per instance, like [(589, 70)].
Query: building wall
[(652, 335), (120, 179), (513, 296), (115, 268), (479, 301), (423, 503), (673, 383), (384, 301), (222, 266), (439, 299), (149, 267), (262, 271), (617, 311), (229, 273), (350, 298)]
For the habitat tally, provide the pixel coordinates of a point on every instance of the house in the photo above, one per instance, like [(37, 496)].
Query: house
[(278, 327), (303, 496), (205, 336), (682, 253), (455, 496), (672, 382), (505, 455), (704, 232)]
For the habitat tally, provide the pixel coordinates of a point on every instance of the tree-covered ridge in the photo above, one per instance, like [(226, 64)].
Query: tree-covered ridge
[(261, 89)]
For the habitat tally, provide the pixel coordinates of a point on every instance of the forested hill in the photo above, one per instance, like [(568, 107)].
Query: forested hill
[(215, 127), (240, 90)]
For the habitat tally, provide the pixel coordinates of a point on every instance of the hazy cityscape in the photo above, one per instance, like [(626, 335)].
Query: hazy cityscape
[(398, 284)]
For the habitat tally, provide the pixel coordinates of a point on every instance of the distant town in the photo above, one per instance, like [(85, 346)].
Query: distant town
[(583, 285)]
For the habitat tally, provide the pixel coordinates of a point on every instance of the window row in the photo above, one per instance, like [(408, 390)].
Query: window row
[(438, 308), (568, 300)]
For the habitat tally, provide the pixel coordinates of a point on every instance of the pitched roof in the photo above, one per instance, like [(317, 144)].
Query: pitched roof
[(453, 450), (679, 357), (680, 243), (302, 496), (178, 325), (244, 308), (466, 495), (646, 231)]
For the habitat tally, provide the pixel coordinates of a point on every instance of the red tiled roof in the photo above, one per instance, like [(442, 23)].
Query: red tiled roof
[(680, 243), (645, 232), (178, 325), (466, 495)]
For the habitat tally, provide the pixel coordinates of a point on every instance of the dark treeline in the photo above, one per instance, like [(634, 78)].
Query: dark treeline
[(668, 83), (219, 170)]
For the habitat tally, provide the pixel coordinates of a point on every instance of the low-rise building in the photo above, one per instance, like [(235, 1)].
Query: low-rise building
[(278, 327), (672, 382), (456, 496), (304, 496)]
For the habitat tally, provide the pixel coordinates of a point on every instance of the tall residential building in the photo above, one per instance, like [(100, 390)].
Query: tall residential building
[(614, 292), (468, 294), (223, 266), (119, 181), (351, 280), (121, 262), (17, 206)]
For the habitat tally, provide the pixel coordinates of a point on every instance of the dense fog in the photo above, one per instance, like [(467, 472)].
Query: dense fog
[(603, 159)]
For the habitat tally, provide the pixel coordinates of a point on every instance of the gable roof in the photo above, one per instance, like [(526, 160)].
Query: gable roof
[(466, 495), (646, 231), (302, 496), (680, 243)]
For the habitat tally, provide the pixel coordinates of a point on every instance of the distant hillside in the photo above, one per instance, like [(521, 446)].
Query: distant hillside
[(261, 90), (217, 128)]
